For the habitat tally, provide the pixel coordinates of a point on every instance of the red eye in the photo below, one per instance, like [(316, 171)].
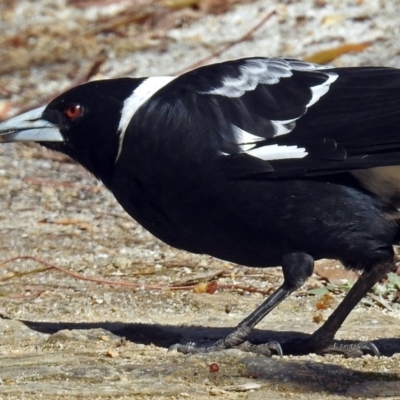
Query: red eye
[(73, 110)]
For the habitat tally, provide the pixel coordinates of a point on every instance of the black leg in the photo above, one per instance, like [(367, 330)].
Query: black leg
[(321, 341), (296, 267)]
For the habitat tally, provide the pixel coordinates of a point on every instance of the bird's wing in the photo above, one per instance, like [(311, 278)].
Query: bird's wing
[(286, 117)]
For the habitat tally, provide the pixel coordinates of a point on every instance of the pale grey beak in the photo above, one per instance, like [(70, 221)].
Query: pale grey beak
[(29, 127)]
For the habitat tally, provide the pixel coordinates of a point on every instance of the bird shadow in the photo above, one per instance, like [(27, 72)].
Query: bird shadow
[(303, 375), (167, 335)]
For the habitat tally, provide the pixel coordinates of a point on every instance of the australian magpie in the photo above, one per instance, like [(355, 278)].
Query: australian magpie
[(258, 161)]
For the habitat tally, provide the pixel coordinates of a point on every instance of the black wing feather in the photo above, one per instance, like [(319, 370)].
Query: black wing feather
[(360, 113), (354, 125)]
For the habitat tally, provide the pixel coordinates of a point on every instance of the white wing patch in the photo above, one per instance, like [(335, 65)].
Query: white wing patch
[(252, 73), (245, 139), (248, 141), (284, 126), (319, 90), (139, 96), (278, 152), (270, 71)]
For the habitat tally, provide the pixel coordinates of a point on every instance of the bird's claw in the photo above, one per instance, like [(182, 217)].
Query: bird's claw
[(190, 348), (352, 350), (266, 349)]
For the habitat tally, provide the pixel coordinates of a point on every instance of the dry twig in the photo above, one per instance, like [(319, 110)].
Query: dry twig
[(49, 266)]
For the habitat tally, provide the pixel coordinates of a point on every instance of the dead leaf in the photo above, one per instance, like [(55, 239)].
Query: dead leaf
[(79, 223), (333, 272), (324, 302), (178, 4), (327, 56), (382, 302), (206, 287)]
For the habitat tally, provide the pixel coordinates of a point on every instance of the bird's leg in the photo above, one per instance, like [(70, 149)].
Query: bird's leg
[(321, 341), (297, 267)]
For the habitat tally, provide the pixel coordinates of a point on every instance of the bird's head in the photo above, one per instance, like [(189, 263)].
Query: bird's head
[(83, 123)]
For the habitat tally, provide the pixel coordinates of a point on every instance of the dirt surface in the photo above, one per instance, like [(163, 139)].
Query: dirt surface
[(66, 338)]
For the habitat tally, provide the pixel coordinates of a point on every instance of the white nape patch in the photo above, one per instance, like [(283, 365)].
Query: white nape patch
[(319, 90), (244, 139), (277, 152), (383, 181), (139, 96)]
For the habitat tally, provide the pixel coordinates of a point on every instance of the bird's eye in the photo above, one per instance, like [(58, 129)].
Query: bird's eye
[(73, 111)]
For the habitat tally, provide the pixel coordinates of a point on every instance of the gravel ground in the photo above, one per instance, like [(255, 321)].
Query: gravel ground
[(67, 338)]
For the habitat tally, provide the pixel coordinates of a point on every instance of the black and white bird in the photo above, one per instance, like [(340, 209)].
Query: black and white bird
[(258, 161)]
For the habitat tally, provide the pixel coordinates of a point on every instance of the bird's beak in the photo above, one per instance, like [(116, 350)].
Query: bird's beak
[(29, 127)]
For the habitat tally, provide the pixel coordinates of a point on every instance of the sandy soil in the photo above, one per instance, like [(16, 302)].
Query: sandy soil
[(67, 338)]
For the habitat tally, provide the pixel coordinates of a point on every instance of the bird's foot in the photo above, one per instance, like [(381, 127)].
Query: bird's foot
[(237, 339), (351, 350), (265, 349), (312, 345)]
